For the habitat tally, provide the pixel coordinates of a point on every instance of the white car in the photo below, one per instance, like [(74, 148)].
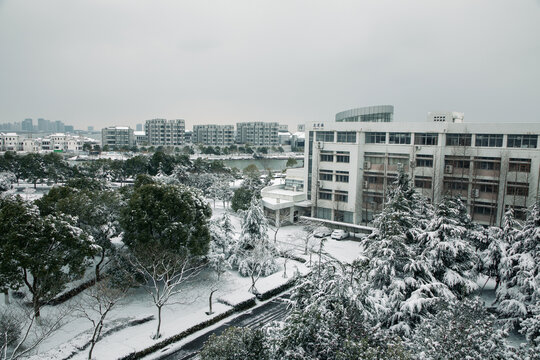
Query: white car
[(339, 234), (321, 232)]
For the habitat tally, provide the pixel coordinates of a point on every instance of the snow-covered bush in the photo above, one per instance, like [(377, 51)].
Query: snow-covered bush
[(459, 330)]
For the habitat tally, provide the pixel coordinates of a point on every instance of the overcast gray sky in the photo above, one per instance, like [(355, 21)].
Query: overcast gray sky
[(113, 62)]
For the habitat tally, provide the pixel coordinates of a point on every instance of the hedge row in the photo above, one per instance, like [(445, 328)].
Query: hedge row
[(273, 292), (71, 293), (244, 305)]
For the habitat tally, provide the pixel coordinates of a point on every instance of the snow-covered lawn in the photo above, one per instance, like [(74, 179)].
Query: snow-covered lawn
[(187, 310)]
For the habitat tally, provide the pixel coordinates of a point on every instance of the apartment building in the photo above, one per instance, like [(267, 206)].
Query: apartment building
[(162, 132), (257, 133), (214, 135), (349, 165), (117, 137)]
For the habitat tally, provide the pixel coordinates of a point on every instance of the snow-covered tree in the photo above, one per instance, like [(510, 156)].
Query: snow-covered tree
[(164, 273), (6, 179), (333, 316), (255, 254), (394, 263), (519, 293), (43, 253), (445, 246), (222, 244), (459, 330), (236, 344), (100, 300)]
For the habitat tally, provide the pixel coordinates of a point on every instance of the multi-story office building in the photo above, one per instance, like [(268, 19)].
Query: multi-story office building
[(214, 135), (117, 136), (165, 132), (349, 166), (257, 133)]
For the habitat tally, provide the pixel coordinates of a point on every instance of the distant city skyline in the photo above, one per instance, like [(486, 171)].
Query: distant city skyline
[(124, 62)]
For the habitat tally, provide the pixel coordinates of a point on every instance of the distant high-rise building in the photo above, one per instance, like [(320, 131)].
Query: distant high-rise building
[(138, 127), (59, 126), (257, 133), (27, 125), (69, 128), (90, 128), (165, 132), (214, 135), (43, 125)]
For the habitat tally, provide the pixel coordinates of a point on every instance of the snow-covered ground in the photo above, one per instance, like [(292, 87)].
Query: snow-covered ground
[(186, 310)]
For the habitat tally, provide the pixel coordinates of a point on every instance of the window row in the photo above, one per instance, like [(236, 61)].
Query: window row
[(340, 156), (328, 175), (337, 195)]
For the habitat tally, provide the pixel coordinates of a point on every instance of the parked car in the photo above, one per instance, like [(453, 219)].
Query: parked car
[(322, 231), (339, 234)]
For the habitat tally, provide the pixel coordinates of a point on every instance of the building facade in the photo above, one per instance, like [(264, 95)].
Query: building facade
[(257, 133), (214, 135), (162, 132), (117, 137), (350, 166)]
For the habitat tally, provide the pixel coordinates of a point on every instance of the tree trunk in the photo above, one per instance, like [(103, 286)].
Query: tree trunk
[(158, 335), (98, 276), (6, 297), (35, 304), (285, 268)]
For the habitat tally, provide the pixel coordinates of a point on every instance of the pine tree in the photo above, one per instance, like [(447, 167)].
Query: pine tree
[(460, 330), (255, 254), (395, 265), (519, 293), (452, 260)]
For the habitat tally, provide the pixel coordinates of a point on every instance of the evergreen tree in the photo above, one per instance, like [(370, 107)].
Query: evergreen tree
[(43, 253), (395, 265), (451, 258), (255, 254), (460, 330), (519, 293)]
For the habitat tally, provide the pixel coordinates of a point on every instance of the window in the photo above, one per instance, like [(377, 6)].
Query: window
[(487, 163), (399, 138), (458, 139), (460, 163), (451, 184), (426, 138), (520, 165), (325, 194), (346, 137), (342, 176), (342, 157), (489, 140), (522, 141), (325, 175), (488, 188), (424, 161), (327, 136), (422, 182), (484, 209), (327, 156), (517, 189), (375, 138), (324, 213), (342, 196)]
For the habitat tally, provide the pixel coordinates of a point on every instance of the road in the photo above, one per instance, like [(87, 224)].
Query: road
[(275, 309)]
